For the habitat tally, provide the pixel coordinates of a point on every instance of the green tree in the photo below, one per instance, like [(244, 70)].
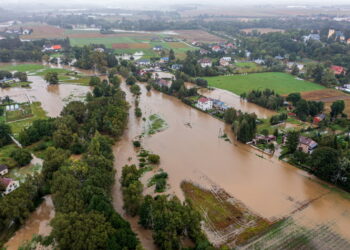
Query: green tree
[(295, 70), (81, 231), (21, 156), (171, 55), (337, 108), (5, 132), (294, 98), (325, 161), (230, 115), (153, 158), (51, 77), (94, 81), (135, 89), (292, 141), (130, 80)]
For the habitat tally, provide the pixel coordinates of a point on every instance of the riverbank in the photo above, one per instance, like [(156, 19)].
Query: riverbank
[(198, 155)]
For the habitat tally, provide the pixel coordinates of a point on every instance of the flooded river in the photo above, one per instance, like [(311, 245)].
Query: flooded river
[(269, 187), (37, 223)]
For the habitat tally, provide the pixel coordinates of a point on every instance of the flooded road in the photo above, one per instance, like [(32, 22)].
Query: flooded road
[(37, 223), (269, 187)]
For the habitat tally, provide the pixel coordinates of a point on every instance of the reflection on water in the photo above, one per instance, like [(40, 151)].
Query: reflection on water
[(37, 223), (269, 187)]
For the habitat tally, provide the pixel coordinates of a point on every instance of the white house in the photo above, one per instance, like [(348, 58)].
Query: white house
[(205, 62), (226, 58), (9, 185), (3, 169), (204, 103)]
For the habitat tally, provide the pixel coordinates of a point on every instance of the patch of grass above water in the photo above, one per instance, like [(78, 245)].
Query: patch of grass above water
[(38, 113), (5, 157), (155, 124)]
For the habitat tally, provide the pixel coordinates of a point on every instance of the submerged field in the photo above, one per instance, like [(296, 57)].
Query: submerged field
[(282, 83)]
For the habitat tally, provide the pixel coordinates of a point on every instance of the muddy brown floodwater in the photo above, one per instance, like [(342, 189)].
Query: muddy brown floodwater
[(37, 223), (52, 97), (267, 186)]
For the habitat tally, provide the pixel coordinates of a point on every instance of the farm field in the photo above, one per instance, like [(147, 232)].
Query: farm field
[(248, 67), (29, 68), (328, 96), (132, 44), (282, 83), (199, 36)]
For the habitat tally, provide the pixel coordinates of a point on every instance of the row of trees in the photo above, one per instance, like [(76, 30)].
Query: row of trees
[(243, 124), (266, 98), (169, 219)]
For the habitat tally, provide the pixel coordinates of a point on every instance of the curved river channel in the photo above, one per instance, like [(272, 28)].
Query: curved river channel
[(269, 187)]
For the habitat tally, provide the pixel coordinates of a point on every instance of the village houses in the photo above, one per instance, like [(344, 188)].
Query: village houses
[(306, 145)]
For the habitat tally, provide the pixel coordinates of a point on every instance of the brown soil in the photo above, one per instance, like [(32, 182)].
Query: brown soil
[(44, 31), (199, 36), (139, 45), (120, 46)]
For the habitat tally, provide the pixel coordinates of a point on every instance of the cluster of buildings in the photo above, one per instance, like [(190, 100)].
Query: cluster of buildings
[(207, 62), (17, 31), (7, 185)]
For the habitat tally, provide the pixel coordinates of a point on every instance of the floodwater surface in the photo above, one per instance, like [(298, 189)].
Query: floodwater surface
[(269, 187)]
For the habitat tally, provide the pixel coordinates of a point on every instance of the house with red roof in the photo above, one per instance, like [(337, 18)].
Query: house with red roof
[(216, 48), (8, 185), (205, 62), (204, 103), (338, 70)]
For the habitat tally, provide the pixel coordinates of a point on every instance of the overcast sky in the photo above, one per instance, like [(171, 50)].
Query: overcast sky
[(3, 3), (148, 3)]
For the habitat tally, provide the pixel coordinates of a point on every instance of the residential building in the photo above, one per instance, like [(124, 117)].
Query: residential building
[(348, 41), (309, 37), (164, 60), (158, 48), (224, 63), (176, 66), (163, 82), (204, 103), (230, 46), (306, 145), (217, 104), (203, 52), (338, 70), (319, 118), (143, 62), (259, 61), (101, 50), (9, 185), (216, 48), (279, 57), (205, 62), (226, 58), (3, 169)]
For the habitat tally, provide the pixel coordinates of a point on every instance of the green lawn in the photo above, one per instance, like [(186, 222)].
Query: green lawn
[(5, 153), (23, 67), (282, 83), (38, 113), (23, 112)]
